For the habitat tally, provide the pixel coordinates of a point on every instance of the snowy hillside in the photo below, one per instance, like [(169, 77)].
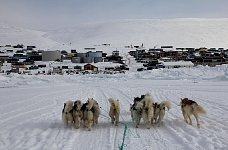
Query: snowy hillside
[(14, 35), (30, 110), (176, 32), (155, 32)]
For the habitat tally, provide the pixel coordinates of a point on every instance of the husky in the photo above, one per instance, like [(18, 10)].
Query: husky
[(159, 111), (88, 114), (136, 113), (114, 111), (190, 107), (77, 113), (148, 110), (96, 112), (67, 113)]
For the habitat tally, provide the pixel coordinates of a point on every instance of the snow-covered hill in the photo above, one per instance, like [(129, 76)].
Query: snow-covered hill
[(156, 32), (14, 35)]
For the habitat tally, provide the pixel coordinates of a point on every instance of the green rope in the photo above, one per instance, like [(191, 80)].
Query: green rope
[(124, 135)]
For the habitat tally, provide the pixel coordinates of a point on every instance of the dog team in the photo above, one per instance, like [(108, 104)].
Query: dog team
[(75, 114)]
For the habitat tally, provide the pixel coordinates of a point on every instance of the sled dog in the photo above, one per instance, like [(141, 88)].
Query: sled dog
[(190, 107), (159, 111), (88, 114), (114, 111), (136, 113), (147, 110), (96, 112), (77, 113), (67, 113)]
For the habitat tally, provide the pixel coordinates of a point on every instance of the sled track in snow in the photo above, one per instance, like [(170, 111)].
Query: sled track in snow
[(32, 118)]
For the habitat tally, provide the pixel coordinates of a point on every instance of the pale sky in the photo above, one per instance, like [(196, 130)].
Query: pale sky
[(48, 14)]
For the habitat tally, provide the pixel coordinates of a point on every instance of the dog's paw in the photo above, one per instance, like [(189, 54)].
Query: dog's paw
[(198, 125)]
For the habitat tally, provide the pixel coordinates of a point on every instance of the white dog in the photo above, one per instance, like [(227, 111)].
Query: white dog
[(67, 113), (88, 114), (159, 111), (190, 107), (136, 113), (77, 113), (148, 110), (114, 110)]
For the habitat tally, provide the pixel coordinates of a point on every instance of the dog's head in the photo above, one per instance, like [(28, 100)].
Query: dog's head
[(186, 101), (90, 102), (77, 105), (68, 106), (183, 100), (139, 106)]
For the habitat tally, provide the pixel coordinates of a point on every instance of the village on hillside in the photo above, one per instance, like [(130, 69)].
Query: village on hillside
[(31, 60)]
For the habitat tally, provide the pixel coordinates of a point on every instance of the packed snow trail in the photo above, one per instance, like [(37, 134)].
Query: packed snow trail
[(30, 115)]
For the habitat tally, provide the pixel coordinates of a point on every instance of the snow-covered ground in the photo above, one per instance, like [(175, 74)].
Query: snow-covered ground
[(30, 110)]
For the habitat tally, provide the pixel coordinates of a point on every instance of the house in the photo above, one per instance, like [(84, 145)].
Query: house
[(116, 53), (90, 67), (136, 46), (78, 67), (74, 51), (51, 55), (115, 59), (30, 47), (18, 65), (76, 60), (57, 70), (88, 57), (106, 44), (18, 46), (167, 48), (89, 48), (19, 56), (3, 57)]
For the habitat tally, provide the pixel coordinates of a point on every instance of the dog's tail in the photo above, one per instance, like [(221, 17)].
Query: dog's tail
[(148, 101), (111, 100), (114, 102), (165, 104), (117, 104), (200, 110)]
